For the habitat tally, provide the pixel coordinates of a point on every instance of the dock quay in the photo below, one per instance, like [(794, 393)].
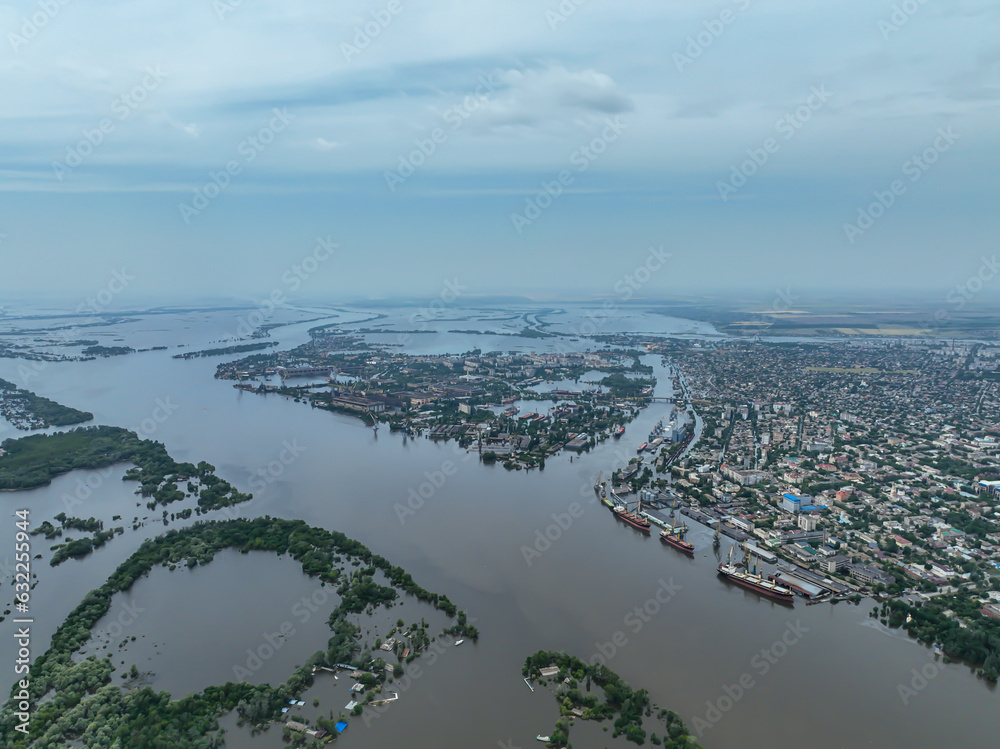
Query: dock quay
[(733, 533), (797, 584), (701, 517), (811, 577), (711, 521), (682, 527), (764, 554)]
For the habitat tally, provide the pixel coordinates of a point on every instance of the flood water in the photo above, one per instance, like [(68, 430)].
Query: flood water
[(825, 680)]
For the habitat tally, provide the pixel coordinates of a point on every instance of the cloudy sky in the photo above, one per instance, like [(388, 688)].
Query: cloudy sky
[(518, 146)]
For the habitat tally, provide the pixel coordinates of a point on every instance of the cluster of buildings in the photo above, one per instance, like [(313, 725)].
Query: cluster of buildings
[(16, 408), (875, 462), (490, 402)]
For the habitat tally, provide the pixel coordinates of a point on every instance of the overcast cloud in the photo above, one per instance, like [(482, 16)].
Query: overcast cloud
[(316, 103)]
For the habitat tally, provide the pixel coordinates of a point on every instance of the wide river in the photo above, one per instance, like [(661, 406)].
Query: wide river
[(825, 679)]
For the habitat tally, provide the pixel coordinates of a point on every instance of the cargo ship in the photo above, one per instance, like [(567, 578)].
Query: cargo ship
[(619, 432), (606, 497), (611, 500), (753, 581), (634, 519), (669, 537), (642, 447), (657, 430)]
